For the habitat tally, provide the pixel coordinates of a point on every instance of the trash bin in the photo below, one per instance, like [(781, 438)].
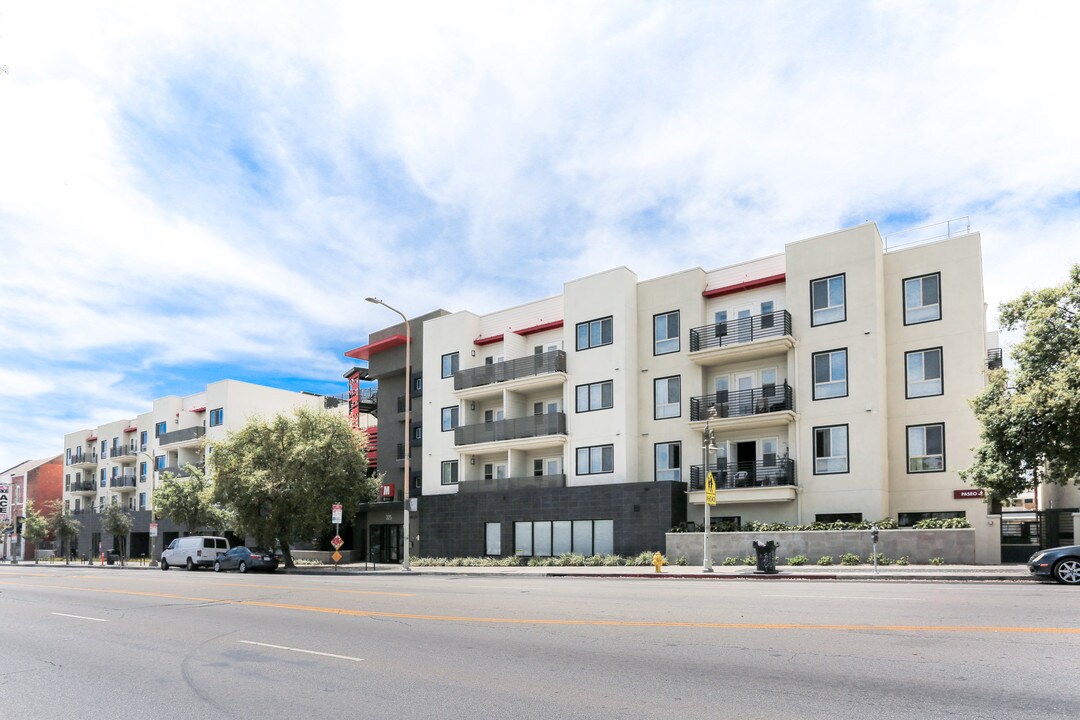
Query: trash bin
[(112, 557), (766, 556)]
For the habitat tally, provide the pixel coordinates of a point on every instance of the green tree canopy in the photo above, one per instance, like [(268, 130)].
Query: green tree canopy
[(62, 525), (280, 477), (34, 529), (117, 523), (189, 502), (1030, 414)]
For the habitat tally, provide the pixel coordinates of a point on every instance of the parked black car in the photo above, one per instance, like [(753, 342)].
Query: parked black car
[(1061, 564), (243, 559)]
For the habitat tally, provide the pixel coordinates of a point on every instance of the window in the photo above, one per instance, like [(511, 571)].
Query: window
[(910, 518), (595, 396), (67, 459), (449, 418), (142, 471), (217, 417), (160, 462), (767, 318), (418, 433), (142, 501), (160, 429), (493, 538), (596, 459), (830, 374), (666, 333), (926, 448), (142, 441), (667, 394), (923, 373), (827, 300), (418, 383), (668, 461), (830, 449), (922, 299), (593, 333), (449, 364), (551, 538), (102, 477), (449, 472), (838, 517)]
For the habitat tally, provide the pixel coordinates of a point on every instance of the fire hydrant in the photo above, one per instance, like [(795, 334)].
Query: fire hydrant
[(658, 561)]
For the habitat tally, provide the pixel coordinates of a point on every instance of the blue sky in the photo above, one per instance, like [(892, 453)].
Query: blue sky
[(198, 191)]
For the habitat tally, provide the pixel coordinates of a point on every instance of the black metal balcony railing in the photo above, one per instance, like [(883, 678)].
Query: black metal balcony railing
[(513, 483), (512, 429), (182, 435), (539, 364), (182, 471), (84, 458), (993, 359), (119, 452), (741, 330), (125, 481), (767, 399), (746, 474), (84, 486)]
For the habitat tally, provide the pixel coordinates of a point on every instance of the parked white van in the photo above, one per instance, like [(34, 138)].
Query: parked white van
[(194, 551)]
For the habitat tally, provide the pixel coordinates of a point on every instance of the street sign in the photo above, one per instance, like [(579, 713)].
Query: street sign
[(5, 503), (336, 557), (337, 514), (710, 489), (153, 529), (968, 493), (337, 542)]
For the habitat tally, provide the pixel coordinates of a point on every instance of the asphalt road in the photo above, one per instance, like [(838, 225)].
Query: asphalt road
[(85, 643)]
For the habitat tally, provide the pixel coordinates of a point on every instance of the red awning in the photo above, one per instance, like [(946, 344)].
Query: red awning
[(198, 409), (540, 328), (747, 285), (366, 351), (488, 340), (130, 429)]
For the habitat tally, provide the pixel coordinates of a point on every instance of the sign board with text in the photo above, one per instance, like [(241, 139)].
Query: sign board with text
[(5, 503), (153, 529), (337, 514), (710, 489), (968, 493)]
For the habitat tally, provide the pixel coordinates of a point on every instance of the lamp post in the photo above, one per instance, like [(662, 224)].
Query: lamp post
[(408, 429), (708, 442), (152, 468)]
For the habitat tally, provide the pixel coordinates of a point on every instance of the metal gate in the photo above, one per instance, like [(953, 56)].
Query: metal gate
[(1025, 532)]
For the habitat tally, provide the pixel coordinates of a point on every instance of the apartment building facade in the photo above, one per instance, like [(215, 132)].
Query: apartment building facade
[(832, 378), (36, 481), (121, 462)]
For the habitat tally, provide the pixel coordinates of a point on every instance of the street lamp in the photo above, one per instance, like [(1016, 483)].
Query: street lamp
[(708, 442), (408, 429), (152, 467)]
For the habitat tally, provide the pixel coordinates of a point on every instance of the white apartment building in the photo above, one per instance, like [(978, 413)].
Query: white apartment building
[(121, 462), (834, 378)]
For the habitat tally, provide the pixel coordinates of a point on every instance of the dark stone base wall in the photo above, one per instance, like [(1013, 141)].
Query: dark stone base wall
[(642, 513)]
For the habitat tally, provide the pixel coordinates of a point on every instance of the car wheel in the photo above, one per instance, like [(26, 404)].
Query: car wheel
[(190, 565), (217, 566), (1068, 571), (164, 564), (242, 567)]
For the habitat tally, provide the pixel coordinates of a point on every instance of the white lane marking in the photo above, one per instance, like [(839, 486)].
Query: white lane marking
[(80, 617), (308, 652), (840, 597)]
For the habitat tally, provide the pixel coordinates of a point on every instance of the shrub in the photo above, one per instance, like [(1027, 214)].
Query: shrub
[(611, 560), (903, 560), (749, 560), (937, 561), (825, 560), (682, 561), (798, 560), (730, 561), (642, 559), (880, 557), (947, 524), (850, 559)]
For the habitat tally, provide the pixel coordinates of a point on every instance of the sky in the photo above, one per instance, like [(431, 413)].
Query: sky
[(197, 191)]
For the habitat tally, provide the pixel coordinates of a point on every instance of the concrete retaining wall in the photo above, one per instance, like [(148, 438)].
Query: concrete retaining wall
[(957, 547)]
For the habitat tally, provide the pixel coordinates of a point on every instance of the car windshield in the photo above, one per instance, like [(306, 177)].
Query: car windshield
[(261, 551)]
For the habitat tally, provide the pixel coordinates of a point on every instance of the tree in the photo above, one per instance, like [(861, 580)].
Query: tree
[(189, 501), (62, 525), (34, 527), (117, 523), (280, 477), (1030, 415)]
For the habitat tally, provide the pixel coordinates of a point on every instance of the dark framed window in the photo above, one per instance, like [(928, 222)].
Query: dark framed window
[(830, 374), (596, 460), (450, 472), (667, 397), (418, 432), (831, 450), (838, 517), (160, 429), (493, 538), (593, 333), (594, 396), (142, 440), (548, 538), (668, 461), (449, 364), (666, 333), (142, 471), (926, 448), (418, 383), (217, 417), (923, 373), (449, 418), (922, 299), (827, 300)]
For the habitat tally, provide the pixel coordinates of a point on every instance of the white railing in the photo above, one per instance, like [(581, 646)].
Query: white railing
[(928, 233)]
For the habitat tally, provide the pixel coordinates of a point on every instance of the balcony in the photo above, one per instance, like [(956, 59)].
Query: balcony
[(189, 436), (746, 475), (84, 486), (746, 409), (993, 359), (532, 369), (181, 471), (742, 339), (533, 426), (125, 482), (84, 460), (514, 483), (123, 455)]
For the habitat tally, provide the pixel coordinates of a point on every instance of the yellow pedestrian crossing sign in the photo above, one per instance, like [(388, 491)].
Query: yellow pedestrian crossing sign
[(710, 489)]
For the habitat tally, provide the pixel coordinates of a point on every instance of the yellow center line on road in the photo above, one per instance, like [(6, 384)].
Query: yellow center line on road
[(318, 589), (583, 622)]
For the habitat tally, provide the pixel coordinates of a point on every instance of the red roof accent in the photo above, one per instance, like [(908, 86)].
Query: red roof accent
[(91, 438), (130, 429), (198, 409), (488, 340), (540, 328), (366, 351), (747, 285)]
